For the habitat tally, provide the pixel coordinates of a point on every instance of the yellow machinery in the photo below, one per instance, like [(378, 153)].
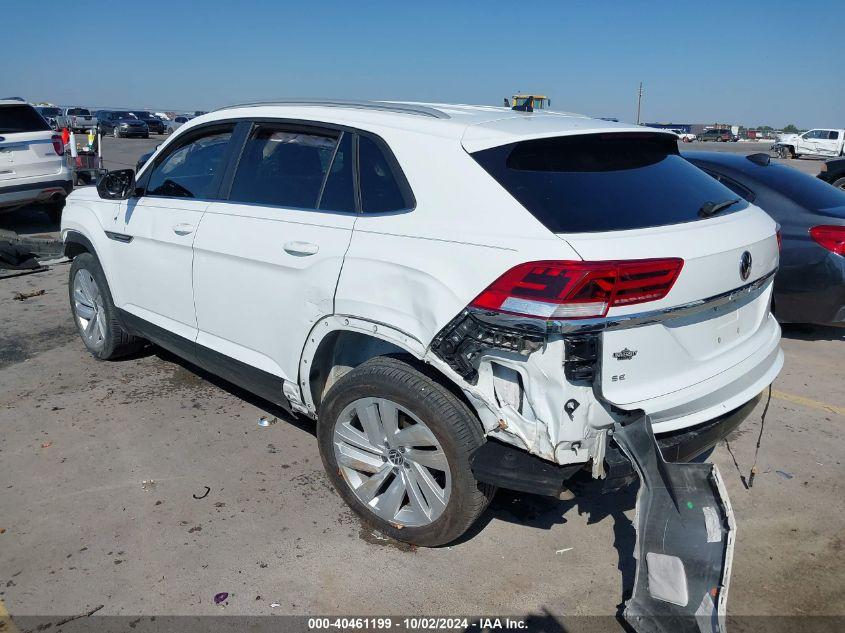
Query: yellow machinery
[(529, 103)]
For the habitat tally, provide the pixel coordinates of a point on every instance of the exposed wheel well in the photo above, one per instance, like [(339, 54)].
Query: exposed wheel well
[(342, 351), (76, 244)]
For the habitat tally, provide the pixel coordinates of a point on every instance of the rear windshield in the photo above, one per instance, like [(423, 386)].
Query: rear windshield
[(806, 190), (78, 112), (21, 118), (604, 182)]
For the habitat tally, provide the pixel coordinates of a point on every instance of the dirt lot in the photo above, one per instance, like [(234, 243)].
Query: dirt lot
[(81, 528)]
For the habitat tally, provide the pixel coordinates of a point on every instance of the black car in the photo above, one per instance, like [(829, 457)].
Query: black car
[(833, 171), (810, 284), (121, 123), (155, 125)]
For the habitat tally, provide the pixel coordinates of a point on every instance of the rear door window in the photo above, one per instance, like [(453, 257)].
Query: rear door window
[(283, 167), (604, 182), (21, 118), (380, 188), (339, 191)]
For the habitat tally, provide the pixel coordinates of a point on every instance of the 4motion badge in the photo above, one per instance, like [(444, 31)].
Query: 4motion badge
[(625, 354)]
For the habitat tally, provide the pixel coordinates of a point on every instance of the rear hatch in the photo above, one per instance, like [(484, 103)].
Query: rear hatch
[(622, 196), (26, 145)]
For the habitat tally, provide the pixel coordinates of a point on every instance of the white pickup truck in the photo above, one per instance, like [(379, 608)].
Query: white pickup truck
[(818, 142)]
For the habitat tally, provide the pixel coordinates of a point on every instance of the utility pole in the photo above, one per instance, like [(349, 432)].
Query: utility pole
[(639, 101)]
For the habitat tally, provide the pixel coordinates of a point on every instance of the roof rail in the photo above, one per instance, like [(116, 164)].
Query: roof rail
[(387, 106)]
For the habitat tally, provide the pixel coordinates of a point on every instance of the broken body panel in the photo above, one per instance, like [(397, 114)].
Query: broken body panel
[(685, 539)]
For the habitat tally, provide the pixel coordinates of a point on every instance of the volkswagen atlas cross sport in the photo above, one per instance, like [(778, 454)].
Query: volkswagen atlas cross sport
[(461, 297)]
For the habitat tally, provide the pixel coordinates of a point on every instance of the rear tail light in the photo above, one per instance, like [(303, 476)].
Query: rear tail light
[(58, 146), (830, 237), (578, 290)]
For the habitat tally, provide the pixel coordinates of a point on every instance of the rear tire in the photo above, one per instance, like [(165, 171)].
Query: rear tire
[(94, 312), (442, 426), (116, 133), (840, 183)]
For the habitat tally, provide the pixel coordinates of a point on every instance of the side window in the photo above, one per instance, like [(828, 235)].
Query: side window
[(283, 168), (188, 172), (379, 189), (833, 135), (338, 192)]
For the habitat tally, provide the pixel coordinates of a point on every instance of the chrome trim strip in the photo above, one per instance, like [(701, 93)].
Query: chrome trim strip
[(386, 106), (626, 321)]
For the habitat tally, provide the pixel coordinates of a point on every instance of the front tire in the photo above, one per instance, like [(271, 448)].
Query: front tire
[(116, 133), (94, 312), (396, 446)]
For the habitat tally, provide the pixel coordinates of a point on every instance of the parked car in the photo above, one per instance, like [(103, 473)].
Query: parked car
[(120, 123), (174, 124), (80, 119), (719, 135), (32, 165), (833, 171), (480, 320), (810, 285), (154, 124), (50, 114), (818, 142), (686, 137)]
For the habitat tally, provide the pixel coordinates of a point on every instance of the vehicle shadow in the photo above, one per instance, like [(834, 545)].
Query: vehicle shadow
[(542, 513), (260, 403), (802, 332)]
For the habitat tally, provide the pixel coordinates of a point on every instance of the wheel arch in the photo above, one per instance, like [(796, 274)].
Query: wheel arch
[(337, 344), (76, 243)]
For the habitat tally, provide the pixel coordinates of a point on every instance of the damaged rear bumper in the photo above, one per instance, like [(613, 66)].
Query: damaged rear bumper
[(685, 538)]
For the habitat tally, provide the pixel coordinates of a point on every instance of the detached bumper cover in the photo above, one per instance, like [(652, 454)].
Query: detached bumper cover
[(685, 537)]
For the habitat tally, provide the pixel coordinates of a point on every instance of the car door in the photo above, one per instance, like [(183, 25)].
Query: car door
[(267, 257), (807, 143), (155, 230), (828, 143)]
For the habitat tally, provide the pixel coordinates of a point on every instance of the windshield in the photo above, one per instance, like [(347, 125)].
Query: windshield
[(604, 182), (21, 118), (125, 115), (142, 115)]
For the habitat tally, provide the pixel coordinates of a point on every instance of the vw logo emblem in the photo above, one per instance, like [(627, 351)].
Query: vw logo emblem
[(745, 265)]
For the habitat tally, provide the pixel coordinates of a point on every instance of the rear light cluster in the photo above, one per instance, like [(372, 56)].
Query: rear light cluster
[(578, 290), (830, 237), (58, 146)]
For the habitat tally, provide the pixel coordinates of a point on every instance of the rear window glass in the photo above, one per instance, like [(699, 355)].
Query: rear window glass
[(380, 190), (78, 112), (283, 168), (806, 190), (604, 182), (21, 118)]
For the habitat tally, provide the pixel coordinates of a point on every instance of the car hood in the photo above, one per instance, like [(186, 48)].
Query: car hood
[(130, 121)]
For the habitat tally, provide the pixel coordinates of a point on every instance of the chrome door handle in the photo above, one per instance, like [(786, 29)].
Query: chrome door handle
[(301, 248), (183, 228)]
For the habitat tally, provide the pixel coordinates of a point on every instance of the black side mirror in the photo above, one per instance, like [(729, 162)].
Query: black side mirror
[(117, 185)]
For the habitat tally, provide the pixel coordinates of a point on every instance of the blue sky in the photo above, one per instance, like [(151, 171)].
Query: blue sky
[(749, 62)]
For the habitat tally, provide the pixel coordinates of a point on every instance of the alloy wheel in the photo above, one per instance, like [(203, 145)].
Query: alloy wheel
[(88, 309), (392, 462)]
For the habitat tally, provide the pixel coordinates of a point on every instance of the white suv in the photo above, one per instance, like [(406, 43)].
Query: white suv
[(462, 297), (32, 165)]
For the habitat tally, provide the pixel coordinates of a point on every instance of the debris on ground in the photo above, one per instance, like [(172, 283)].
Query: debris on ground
[(221, 597), (264, 421), (81, 615), (203, 495), (23, 296), (46, 444), (273, 605), (148, 484), (785, 474), (564, 550)]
